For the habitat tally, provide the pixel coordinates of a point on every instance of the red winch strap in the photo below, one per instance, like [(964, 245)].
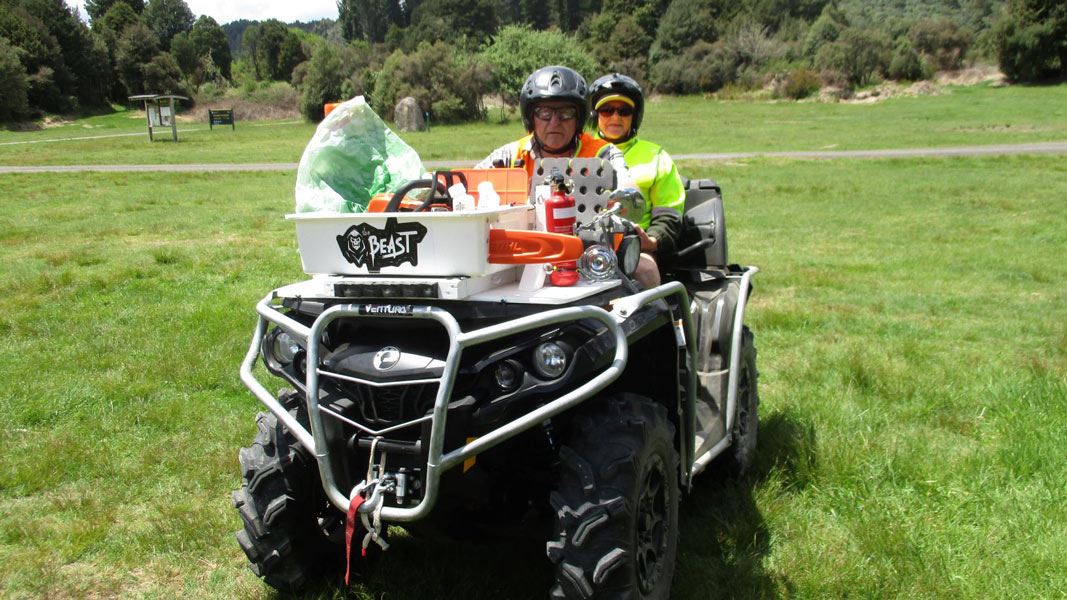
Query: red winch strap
[(350, 528)]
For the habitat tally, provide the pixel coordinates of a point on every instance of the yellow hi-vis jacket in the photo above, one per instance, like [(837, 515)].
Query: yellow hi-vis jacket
[(657, 177)]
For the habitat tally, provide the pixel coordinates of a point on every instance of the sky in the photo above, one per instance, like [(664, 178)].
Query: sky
[(225, 11)]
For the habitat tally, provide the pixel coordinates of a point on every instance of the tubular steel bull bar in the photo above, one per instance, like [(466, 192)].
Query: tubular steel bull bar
[(438, 461)]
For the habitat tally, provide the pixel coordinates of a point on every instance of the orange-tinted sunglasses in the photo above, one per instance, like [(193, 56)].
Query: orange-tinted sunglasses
[(623, 111)]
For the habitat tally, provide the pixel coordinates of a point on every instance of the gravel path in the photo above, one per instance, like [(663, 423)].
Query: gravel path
[(999, 149)]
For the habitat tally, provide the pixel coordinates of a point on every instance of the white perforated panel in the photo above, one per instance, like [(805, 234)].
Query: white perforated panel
[(593, 179)]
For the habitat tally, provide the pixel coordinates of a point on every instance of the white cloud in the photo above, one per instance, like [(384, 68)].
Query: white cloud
[(225, 11)]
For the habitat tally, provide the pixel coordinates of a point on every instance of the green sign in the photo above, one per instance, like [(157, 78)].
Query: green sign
[(222, 116)]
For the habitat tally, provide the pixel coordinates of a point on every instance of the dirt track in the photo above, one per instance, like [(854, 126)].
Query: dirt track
[(998, 149)]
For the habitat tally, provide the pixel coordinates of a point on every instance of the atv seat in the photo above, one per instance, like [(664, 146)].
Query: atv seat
[(702, 243)]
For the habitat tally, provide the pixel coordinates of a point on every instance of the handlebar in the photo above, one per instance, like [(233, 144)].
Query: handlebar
[(441, 187)]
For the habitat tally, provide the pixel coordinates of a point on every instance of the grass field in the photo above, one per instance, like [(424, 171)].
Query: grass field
[(911, 318), (963, 116)]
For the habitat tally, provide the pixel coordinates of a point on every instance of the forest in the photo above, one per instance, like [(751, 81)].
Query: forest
[(453, 54)]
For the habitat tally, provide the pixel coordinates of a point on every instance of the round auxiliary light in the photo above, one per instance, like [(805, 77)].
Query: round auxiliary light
[(507, 375), (550, 360), (284, 348), (630, 254), (598, 263)]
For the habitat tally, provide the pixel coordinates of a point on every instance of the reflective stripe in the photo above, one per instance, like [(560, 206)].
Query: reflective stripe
[(565, 213), (588, 147)]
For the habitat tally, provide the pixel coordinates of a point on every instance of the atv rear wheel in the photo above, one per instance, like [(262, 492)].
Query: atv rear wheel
[(738, 458), (291, 535), (616, 532)]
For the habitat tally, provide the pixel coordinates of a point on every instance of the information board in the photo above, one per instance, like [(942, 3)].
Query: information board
[(221, 116)]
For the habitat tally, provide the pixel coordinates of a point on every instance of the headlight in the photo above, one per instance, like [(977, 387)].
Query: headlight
[(550, 360), (284, 348), (507, 375)]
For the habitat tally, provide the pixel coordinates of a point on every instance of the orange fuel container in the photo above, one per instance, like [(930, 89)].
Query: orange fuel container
[(512, 185)]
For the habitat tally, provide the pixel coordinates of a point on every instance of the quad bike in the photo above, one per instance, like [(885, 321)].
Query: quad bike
[(430, 385)]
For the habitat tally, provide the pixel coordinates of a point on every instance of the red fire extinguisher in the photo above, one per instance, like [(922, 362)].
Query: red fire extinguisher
[(561, 217)]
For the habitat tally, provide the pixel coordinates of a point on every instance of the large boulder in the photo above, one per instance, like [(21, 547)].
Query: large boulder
[(408, 115)]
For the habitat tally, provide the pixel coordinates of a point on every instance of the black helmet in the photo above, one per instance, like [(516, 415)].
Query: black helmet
[(617, 83), (554, 83)]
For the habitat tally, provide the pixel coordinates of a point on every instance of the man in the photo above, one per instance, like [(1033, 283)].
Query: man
[(619, 106), (554, 109)]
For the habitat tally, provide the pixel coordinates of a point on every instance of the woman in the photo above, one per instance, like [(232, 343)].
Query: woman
[(619, 105)]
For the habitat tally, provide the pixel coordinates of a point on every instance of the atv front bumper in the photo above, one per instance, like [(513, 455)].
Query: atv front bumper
[(439, 461)]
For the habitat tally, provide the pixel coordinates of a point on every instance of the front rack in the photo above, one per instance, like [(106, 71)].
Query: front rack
[(438, 461)]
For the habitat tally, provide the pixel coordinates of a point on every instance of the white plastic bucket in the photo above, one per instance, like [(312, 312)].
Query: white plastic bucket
[(428, 244)]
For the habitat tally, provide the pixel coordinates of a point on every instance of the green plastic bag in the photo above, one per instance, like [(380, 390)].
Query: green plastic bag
[(352, 156)]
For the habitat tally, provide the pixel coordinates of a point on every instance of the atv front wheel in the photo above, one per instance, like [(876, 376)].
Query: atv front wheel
[(291, 534), (616, 533)]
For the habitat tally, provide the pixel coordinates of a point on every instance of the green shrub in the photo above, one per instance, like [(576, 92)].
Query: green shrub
[(634, 67), (825, 30), (861, 55), (162, 76), (212, 91), (43, 92), (321, 83), (801, 83), (833, 79), (518, 51), (906, 63), (750, 47), (611, 38), (136, 46), (360, 63), (687, 22), (275, 93), (703, 68), (1031, 40), (941, 41), (13, 102), (445, 83)]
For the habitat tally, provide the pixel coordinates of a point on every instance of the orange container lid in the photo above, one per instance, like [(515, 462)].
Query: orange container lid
[(512, 185)]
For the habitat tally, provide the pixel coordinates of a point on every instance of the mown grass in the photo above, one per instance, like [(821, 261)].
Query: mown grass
[(976, 115), (911, 321)]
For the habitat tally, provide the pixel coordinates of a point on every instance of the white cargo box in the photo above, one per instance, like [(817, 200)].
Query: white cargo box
[(426, 244)]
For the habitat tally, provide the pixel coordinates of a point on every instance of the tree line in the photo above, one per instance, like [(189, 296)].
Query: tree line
[(450, 54), (52, 61)]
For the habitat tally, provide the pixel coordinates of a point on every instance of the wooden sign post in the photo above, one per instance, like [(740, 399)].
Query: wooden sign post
[(160, 113)]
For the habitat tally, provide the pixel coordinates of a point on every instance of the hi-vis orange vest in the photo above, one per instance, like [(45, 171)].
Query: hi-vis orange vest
[(588, 147)]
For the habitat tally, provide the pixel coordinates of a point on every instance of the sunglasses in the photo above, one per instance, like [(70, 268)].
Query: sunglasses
[(564, 113), (622, 111)]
